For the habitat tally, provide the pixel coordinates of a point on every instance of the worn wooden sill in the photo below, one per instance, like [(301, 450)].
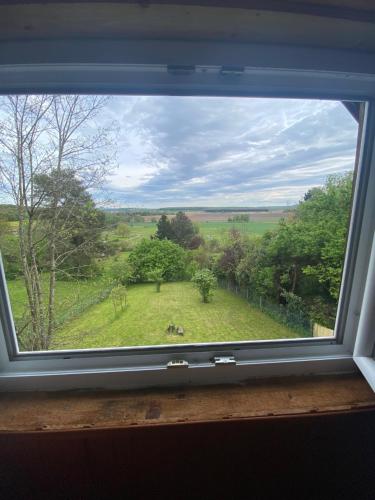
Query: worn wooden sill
[(282, 397)]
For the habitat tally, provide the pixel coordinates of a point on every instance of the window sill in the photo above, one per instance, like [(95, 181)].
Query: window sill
[(283, 397)]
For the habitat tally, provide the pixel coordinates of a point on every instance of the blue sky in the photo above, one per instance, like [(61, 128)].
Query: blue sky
[(200, 151)]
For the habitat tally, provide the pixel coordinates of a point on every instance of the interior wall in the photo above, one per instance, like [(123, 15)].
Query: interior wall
[(318, 457)]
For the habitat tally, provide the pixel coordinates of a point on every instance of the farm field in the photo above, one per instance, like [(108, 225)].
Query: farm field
[(148, 314), (208, 229)]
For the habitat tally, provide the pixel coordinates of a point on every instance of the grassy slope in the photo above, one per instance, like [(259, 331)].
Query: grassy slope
[(144, 322)]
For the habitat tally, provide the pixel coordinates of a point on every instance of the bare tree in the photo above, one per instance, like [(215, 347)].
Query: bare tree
[(46, 143)]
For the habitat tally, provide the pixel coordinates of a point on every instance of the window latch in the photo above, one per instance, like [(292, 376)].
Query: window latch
[(224, 360), (177, 363)]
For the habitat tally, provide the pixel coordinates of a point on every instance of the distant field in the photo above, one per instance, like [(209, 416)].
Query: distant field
[(219, 230), (269, 216), (208, 229), (148, 314)]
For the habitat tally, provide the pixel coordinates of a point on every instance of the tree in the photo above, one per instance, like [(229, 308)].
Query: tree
[(232, 254), (44, 136), (122, 229), (156, 276), (205, 281), (183, 230), (77, 222), (302, 259), (164, 229), (165, 255), (180, 230)]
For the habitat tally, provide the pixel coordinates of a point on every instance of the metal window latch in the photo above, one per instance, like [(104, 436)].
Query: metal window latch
[(224, 360), (177, 363)]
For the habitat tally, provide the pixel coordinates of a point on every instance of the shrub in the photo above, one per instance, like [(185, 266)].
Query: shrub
[(120, 272), (205, 281)]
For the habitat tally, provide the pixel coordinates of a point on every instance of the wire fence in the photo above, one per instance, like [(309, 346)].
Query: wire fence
[(80, 305), (297, 320)]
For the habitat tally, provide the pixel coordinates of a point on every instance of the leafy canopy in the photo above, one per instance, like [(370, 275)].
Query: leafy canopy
[(164, 255), (205, 281)]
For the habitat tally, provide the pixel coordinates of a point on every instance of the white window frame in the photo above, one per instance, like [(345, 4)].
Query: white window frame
[(192, 68)]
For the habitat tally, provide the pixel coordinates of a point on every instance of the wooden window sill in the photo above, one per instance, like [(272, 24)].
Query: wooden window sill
[(283, 397)]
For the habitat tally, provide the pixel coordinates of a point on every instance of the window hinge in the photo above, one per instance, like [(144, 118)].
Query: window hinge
[(177, 363), (224, 360)]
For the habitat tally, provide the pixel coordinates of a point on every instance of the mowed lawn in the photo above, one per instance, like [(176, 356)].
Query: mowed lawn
[(148, 314)]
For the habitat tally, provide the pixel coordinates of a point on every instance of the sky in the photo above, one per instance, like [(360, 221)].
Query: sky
[(225, 151)]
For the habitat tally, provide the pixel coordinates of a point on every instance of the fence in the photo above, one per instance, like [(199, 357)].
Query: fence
[(297, 320), (322, 331), (81, 305)]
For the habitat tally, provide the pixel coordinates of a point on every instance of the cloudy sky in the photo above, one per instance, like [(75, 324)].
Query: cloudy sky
[(200, 151)]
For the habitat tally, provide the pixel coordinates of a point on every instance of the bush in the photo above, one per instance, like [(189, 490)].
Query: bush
[(205, 281), (165, 255), (120, 272)]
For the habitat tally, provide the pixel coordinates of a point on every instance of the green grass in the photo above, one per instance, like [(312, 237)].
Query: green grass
[(147, 315), (68, 294), (209, 230), (219, 230)]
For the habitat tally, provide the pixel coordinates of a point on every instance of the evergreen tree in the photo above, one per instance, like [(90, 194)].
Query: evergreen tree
[(183, 230), (164, 230)]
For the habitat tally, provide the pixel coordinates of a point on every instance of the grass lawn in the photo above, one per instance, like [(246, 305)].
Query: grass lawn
[(147, 315), (68, 294)]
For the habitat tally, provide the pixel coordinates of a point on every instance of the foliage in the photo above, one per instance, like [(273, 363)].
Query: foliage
[(77, 223), (10, 255), (8, 213), (49, 160), (119, 298), (123, 229), (156, 276), (120, 272), (239, 218), (165, 255), (302, 257), (179, 229), (164, 229), (231, 256), (195, 242), (183, 229), (205, 281)]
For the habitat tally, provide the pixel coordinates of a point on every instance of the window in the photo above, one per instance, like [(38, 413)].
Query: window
[(159, 220), (223, 237)]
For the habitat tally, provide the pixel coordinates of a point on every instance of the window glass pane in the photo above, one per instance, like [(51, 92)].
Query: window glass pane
[(151, 220)]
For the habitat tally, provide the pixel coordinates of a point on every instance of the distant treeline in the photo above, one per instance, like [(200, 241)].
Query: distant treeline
[(173, 210)]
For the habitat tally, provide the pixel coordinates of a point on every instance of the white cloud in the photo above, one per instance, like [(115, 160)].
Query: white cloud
[(227, 151)]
